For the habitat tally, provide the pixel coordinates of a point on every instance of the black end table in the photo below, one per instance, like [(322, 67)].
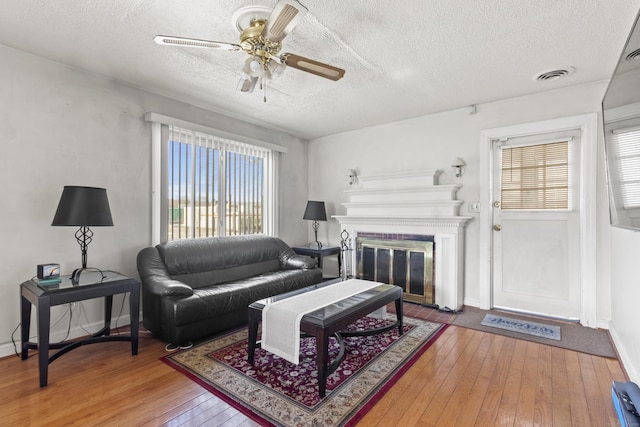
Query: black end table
[(92, 284), (320, 253)]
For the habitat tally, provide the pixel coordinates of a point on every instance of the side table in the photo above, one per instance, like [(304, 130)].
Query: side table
[(320, 253), (92, 284)]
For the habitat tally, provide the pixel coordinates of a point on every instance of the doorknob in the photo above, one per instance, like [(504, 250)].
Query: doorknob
[(497, 227)]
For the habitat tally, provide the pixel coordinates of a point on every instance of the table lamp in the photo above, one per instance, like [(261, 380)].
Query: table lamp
[(315, 212), (83, 207)]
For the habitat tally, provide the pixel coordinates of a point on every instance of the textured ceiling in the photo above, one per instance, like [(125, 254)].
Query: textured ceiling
[(402, 58)]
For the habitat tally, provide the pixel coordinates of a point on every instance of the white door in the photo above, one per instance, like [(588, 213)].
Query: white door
[(536, 225)]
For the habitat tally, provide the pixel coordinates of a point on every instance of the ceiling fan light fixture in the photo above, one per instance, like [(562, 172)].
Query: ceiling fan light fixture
[(276, 69), (253, 66)]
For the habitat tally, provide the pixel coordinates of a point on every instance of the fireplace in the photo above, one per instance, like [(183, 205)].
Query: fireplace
[(406, 226), (403, 260)]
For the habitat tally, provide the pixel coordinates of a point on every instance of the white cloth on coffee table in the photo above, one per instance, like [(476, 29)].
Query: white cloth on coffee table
[(281, 319)]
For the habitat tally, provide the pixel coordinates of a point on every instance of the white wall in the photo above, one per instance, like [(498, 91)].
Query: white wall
[(625, 298), (434, 141), (62, 126)]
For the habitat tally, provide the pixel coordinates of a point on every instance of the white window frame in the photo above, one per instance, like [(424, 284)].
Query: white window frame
[(159, 208)]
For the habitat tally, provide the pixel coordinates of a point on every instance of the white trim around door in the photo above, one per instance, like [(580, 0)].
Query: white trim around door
[(588, 126)]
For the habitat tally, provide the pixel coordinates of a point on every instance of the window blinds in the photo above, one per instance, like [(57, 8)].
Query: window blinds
[(216, 186), (625, 165), (535, 176)]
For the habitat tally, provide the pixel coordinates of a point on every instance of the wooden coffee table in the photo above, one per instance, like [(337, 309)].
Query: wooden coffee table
[(331, 320)]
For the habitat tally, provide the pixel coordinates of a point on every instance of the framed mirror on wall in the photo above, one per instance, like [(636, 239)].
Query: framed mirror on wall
[(621, 115)]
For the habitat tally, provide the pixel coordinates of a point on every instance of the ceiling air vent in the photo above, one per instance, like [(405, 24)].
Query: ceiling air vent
[(553, 75), (633, 55)]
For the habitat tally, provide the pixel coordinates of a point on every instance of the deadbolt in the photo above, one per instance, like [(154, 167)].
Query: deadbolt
[(497, 227), (496, 203)]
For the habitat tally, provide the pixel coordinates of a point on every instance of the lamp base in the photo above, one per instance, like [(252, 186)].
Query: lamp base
[(314, 245), (75, 276)]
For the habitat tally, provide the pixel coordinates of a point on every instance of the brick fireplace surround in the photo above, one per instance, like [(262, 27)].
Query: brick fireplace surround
[(412, 203)]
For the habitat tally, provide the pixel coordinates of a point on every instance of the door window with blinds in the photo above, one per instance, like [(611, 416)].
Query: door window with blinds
[(535, 177), (215, 186)]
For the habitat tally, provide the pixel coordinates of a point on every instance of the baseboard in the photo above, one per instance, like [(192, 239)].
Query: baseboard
[(472, 303), (627, 361)]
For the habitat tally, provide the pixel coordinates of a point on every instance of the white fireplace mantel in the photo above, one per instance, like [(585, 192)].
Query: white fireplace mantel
[(412, 202)]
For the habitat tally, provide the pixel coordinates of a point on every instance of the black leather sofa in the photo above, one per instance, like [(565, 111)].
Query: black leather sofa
[(193, 288)]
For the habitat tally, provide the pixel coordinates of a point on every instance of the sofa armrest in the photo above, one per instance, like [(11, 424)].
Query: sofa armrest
[(156, 279), (289, 260), (164, 286)]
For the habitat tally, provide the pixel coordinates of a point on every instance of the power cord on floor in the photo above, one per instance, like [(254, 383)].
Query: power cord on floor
[(15, 347), (13, 340)]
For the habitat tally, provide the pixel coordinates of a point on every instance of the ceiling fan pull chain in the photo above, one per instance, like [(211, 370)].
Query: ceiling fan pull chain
[(264, 89)]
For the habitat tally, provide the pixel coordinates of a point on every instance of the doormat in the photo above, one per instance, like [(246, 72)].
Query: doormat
[(574, 336), (522, 326), (275, 392)]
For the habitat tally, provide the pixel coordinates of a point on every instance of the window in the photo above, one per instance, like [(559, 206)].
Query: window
[(214, 186), (211, 182), (536, 176), (625, 165)]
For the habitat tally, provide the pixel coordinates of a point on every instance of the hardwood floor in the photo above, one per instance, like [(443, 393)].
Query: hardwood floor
[(466, 378)]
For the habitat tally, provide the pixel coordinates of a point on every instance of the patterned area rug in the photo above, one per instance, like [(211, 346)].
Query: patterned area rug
[(274, 391)]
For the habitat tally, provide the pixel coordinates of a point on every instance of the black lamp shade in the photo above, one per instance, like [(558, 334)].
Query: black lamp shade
[(83, 206), (315, 211)]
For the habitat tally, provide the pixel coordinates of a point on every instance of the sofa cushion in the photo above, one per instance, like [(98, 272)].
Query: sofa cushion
[(209, 261), (216, 277), (209, 302)]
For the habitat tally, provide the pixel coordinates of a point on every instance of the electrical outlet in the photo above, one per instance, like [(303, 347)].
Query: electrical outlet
[(474, 206)]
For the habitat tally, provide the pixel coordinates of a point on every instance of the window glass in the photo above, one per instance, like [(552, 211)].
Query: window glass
[(215, 186), (536, 176)]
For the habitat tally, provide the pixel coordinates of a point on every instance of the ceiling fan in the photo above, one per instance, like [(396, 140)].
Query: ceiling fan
[(261, 33)]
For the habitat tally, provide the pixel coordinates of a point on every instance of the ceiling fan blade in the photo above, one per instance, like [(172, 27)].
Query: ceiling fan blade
[(314, 67), (183, 41), (283, 19), (246, 84)]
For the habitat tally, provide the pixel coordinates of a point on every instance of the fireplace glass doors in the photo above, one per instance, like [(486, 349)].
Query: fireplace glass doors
[(402, 262)]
